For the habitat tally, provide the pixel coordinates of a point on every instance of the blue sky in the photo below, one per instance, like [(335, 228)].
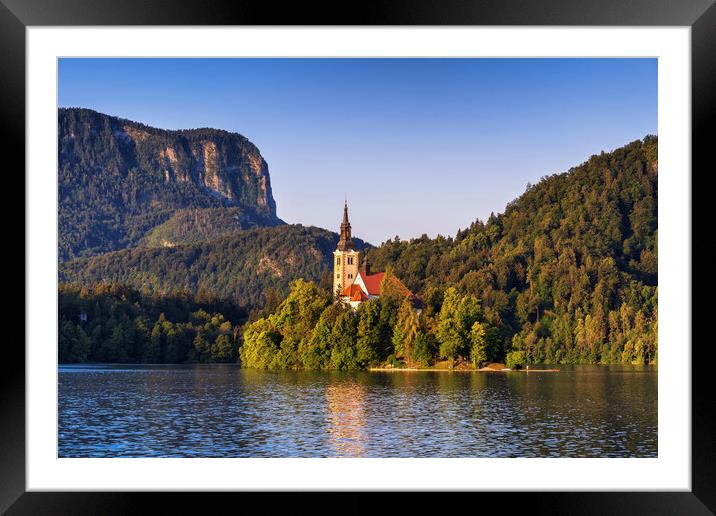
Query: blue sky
[(419, 145)]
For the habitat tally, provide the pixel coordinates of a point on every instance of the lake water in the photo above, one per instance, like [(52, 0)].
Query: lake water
[(225, 411)]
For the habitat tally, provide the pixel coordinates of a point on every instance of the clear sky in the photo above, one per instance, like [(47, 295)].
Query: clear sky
[(418, 145)]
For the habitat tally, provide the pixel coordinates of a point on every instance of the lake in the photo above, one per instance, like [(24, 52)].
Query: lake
[(225, 411)]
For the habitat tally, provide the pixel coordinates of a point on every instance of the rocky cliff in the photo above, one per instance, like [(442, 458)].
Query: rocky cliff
[(118, 179)]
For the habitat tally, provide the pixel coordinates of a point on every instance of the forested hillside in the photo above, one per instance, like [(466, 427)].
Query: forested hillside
[(241, 268), (567, 273), (118, 179), (193, 226)]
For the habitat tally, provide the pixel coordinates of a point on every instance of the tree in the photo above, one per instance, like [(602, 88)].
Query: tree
[(221, 350), (201, 347), (457, 315), (516, 359), (478, 342), (406, 327), (422, 353), (315, 353), (368, 345), (154, 352), (343, 337), (260, 345), (73, 343)]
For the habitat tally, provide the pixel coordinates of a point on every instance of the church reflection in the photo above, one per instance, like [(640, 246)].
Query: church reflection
[(346, 418)]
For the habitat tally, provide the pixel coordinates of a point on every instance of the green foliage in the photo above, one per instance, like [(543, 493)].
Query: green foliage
[(283, 339), (245, 267), (423, 350), (562, 274), (316, 353), (369, 342), (457, 317), (478, 344), (124, 325), (261, 346), (343, 339), (405, 331), (515, 359), (309, 331), (74, 344), (197, 225)]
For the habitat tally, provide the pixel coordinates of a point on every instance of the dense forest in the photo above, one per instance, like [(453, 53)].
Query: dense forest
[(113, 323), (567, 274), (242, 268), (309, 331), (193, 226), (119, 179)]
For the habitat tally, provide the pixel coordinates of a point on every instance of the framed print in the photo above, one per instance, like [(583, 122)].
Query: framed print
[(293, 250)]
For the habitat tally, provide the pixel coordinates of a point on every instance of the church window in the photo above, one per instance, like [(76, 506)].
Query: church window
[(350, 275), (338, 260)]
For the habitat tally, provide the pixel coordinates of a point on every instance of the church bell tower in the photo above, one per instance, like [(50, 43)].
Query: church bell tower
[(346, 259)]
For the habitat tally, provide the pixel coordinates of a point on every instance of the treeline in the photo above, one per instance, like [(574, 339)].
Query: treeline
[(114, 323), (309, 331), (243, 268), (568, 274)]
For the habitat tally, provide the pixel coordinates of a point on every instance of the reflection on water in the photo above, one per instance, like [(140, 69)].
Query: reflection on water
[(225, 411), (346, 418)]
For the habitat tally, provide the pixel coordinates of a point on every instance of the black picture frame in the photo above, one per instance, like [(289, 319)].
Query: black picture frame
[(16, 15)]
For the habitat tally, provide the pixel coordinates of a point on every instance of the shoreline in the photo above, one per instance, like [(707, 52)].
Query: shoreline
[(462, 370)]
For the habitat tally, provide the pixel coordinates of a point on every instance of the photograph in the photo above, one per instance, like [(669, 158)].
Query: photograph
[(358, 257), (409, 247)]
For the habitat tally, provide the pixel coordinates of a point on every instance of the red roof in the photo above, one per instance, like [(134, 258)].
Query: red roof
[(373, 282), (355, 293)]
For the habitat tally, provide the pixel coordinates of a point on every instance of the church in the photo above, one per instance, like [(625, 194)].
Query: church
[(353, 282)]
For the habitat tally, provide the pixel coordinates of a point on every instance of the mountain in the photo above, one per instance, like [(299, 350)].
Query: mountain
[(242, 267), (120, 179)]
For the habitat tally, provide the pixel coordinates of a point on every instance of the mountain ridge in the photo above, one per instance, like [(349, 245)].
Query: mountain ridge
[(118, 179)]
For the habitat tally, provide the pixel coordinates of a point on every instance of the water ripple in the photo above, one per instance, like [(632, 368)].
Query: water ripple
[(225, 411)]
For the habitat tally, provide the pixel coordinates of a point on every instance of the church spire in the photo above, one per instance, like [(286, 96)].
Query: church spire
[(345, 242)]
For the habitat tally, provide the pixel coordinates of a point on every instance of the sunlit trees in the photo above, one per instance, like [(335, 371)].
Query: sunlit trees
[(344, 354), (405, 331), (285, 334), (422, 352), (369, 342), (478, 344), (261, 346), (515, 359), (457, 315)]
